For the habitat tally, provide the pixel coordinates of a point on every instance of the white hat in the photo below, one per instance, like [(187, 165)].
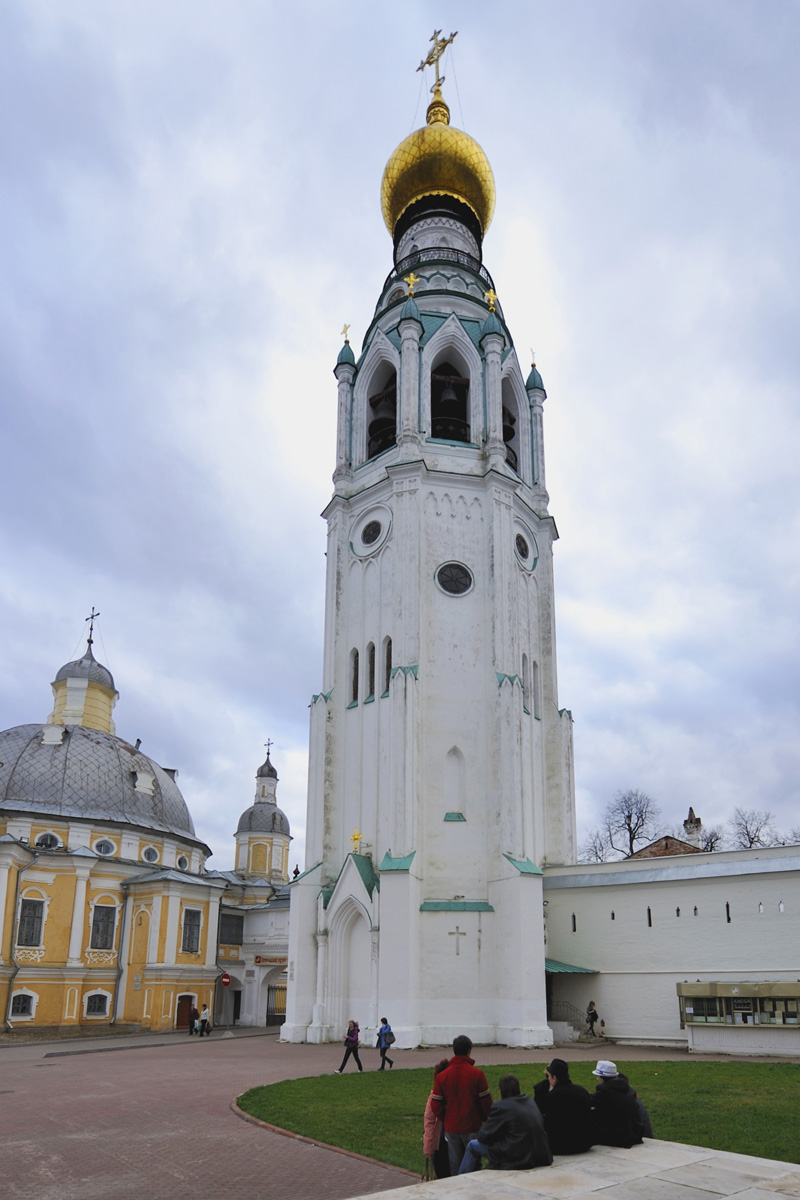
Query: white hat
[(606, 1069)]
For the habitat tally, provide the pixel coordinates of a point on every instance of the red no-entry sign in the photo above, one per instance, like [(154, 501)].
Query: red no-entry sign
[(225, 980)]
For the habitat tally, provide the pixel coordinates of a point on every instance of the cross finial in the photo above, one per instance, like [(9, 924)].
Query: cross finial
[(440, 44), (92, 617), (344, 334), (491, 296), (269, 744), (412, 280), (356, 840), (533, 357)]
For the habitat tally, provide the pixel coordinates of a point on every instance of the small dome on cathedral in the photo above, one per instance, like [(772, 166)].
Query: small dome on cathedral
[(266, 770), (346, 355), (534, 381), (438, 160), (86, 668), (410, 311), (491, 324), (263, 818)]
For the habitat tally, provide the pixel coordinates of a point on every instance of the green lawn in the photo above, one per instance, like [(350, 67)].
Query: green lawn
[(749, 1108)]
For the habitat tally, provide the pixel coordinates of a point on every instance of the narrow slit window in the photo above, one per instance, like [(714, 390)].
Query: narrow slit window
[(728, 913), (574, 924), (371, 671), (354, 677), (387, 665), (649, 918)]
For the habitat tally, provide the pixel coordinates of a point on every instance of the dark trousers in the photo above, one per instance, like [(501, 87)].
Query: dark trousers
[(204, 1029), (384, 1052), (457, 1147), (354, 1051)]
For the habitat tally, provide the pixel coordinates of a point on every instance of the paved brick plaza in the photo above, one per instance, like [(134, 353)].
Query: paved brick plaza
[(150, 1116)]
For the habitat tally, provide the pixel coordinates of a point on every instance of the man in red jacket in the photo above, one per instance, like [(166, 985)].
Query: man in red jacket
[(461, 1098)]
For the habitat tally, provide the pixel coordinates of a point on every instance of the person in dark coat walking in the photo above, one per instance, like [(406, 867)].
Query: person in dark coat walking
[(194, 1017), (616, 1109), (512, 1137), (592, 1017), (385, 1040), (567, 1110), (351, 1046)]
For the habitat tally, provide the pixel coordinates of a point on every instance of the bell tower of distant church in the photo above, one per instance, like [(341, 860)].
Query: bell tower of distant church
[(440, 774)]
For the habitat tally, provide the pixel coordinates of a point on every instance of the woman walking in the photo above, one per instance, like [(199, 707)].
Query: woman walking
[(385, 1040), (350, 1046), (592, 1016)]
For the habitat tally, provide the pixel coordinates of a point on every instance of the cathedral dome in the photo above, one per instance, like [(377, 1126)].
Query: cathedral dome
[(89, 775), (266, 770), (438, 160), (263, 818), (86, 668)]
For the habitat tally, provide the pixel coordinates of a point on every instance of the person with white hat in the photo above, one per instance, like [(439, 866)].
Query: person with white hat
[(616, 1109)]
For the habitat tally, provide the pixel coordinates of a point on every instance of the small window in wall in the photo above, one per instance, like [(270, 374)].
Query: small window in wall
[(728, 913), (231, 929), (103, 922), (695, 910), (382, 417), (354, 677), (97, 1005), (677, 912), (191, 931), (761, 908), (47, 841), (104, 846), (387, 665), (371, 671), (780, 906), (22, 1005), (649, 917), (574, 924), (613, 915), (449, 411), (150, 854), (183, 862), (31, 913)]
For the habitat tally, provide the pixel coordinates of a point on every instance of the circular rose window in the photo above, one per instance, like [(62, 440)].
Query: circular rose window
[(371, 532), (454, 578), (523, 549)]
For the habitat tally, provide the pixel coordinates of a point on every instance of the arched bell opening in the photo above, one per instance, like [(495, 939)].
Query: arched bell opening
[(382, 413), (449, 404), (511, 428)]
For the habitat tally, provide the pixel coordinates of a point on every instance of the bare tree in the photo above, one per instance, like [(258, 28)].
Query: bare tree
[(752, 827), (712, 838), (596, 848)]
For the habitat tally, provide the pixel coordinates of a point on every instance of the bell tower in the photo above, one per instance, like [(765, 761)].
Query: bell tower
[(440, 773)]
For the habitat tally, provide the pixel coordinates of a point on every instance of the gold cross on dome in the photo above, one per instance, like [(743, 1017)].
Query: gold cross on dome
[(356, 840), (440, 44), (491, 296), (345, 331), (412, 280)]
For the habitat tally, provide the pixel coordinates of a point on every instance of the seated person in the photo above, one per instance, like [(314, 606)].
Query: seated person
[(512, 1137), (567, 1110), (616, 1109)]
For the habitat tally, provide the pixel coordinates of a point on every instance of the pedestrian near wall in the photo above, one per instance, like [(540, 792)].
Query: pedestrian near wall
[(461, 1099), (385, 1039), (351, 1046)]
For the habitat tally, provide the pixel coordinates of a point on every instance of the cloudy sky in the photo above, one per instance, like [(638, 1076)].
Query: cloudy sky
[(189, 213)]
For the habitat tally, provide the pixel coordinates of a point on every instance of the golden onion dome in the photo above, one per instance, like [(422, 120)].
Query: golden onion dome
[(438, 160)]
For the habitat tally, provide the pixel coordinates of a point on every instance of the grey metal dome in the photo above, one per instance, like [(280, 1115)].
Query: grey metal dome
[(86, 668), (90, 775), (263, 818), (266, 770)]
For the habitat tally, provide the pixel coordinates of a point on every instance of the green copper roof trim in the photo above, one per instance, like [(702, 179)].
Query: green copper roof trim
[(455, 906), (326, 894), (367, 872), (397, 864), (553, 967), (454, 816), (512, 679), (322, 696), (304, 873), (413, 670), (524, 865)]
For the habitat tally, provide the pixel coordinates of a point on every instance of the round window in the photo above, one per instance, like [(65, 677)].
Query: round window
[(183, 862), (104, 846), (47, 841), (150, 854), (523, 549), (454, 579), (371, 532)]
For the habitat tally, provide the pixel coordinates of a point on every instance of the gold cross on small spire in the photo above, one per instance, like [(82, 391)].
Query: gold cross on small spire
[(344, 334), (440, 44), (491, 296), (356, 840), (412, 280)]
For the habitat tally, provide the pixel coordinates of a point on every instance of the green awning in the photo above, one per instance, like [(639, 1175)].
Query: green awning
[(553, 967)]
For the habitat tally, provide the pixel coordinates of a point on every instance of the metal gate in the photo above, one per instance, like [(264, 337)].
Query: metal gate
[(276, 1004)]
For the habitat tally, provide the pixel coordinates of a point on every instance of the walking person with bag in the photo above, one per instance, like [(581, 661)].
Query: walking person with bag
[(592, 1017), (351, 1046), (385, 1039)]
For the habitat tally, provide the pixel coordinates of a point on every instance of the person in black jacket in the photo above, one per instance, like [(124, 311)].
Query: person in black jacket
[(567, 1110), (512, 1137), (616, 1109)]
